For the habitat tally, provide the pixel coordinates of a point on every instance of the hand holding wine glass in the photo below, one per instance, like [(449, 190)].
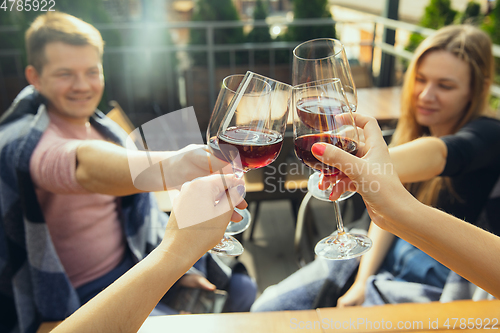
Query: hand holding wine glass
[(247, 129), (321, 114)]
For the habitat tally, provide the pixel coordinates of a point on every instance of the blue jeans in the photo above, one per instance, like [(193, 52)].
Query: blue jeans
[(92, 288), (300, 290), (410, 264)]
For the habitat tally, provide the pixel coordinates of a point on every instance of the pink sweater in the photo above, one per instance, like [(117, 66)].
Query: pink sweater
[(84, 226)]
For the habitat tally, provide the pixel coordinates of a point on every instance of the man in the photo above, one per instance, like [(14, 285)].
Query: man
[(72, 220)]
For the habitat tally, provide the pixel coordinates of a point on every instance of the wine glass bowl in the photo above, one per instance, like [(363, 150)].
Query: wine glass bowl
[(324, 58)]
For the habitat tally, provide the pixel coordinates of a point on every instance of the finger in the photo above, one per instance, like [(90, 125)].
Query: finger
[(362, 149), (231, 155), (234, 196), (196, 281), (326, 181), (216, 165), (205, 284), (236, 217), (242, 205), (344, 185), (371, 129), (336, 157), (221, 182), (206, 192)]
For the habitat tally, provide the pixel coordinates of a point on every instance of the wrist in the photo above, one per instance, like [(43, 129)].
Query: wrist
[(185, 243), (171, 249), (403, 206)]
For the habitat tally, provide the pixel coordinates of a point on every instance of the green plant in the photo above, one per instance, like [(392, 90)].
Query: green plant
[(491, 25), (436, 15), (260, 34), (215, 10), (472, 13), (307, 9)]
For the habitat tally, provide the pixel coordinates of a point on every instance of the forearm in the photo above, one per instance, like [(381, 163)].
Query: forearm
[(372, 260), (125, 304), (103, 167), (419, 160), (460, 246)]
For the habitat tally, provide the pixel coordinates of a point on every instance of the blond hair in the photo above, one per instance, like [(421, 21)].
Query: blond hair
[(58, 27), (474, 47)]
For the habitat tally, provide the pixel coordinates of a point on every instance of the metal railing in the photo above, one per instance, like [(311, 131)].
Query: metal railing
[(121, 80)]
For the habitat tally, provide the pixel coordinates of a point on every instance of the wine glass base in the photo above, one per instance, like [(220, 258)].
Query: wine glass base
[(228, 246), (312, 187), (235, 228), (342, 247)]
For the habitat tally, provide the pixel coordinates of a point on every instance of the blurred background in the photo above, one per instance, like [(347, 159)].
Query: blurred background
[(162, 55)]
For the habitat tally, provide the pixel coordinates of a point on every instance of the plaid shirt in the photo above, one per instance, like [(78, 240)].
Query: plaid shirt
[(33, 284)]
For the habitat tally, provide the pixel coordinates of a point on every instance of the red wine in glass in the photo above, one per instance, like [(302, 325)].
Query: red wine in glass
[(256, 149), (213, 145), (319, 116), (304, 143)]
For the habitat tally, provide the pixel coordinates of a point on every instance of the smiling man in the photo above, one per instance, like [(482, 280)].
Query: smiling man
[(71, 219)]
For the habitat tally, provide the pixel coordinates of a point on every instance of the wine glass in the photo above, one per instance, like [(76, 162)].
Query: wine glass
[(321, 114), (249, 123), (319, 59), (228, 88)]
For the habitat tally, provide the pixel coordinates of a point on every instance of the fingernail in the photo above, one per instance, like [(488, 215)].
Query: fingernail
[(241, 190), (318, 149), (330, 197)]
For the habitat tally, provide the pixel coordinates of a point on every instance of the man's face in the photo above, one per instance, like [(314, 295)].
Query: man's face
[(71, 79)]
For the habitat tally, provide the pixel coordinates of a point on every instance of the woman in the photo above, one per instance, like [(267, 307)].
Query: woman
[(447, 149)]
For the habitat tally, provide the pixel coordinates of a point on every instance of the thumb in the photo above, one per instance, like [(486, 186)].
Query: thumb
[(336, 157), (203, 283), (230, 199), (196, 281)]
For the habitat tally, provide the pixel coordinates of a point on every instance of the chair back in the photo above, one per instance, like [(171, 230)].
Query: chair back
[(118, 116)]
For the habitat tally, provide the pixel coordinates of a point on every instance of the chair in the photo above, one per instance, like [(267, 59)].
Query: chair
[(118, 116), (284, 179)]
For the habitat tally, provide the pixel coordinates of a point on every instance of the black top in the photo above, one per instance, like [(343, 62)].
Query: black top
[(473, 165)]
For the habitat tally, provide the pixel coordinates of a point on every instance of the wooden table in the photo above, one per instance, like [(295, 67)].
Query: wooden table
[(381, 103), (410, 317)]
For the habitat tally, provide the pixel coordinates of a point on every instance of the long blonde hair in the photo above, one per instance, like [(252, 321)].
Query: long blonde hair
[(473, 46)]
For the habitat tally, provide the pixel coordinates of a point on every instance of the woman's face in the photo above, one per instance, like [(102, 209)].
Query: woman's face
[(442, 91)]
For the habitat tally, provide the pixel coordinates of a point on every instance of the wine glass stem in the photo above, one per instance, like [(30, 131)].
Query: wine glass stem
[(224, 243), (340, 223)]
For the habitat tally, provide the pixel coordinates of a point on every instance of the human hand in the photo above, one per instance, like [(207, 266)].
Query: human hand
[(165, 170), (201, 213), (372, 174), (191, 162), (353, 297), (196, 281)]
